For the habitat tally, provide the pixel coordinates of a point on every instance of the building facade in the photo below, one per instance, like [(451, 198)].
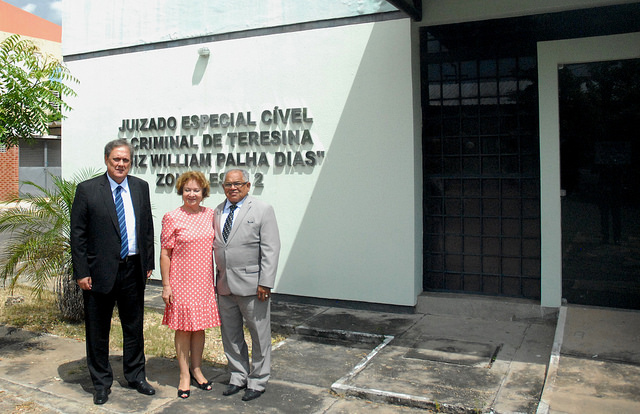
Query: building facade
[(402, 154), (33, 161)]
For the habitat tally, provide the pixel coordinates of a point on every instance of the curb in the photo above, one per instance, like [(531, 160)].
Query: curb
[(554, 360)]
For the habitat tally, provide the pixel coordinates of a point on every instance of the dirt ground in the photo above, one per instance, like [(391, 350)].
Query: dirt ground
[(12, 405)]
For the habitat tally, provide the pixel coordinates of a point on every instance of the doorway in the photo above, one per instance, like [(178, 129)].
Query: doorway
[(599, 106), (551, 56)]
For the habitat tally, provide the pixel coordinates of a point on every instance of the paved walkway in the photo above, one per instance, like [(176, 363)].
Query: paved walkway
[(595, 366), (456, 354)]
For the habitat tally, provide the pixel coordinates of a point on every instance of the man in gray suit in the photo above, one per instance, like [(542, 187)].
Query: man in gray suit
[(246, 248)]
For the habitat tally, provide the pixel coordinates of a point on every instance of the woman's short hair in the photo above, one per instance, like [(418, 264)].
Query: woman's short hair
[(198, 177)]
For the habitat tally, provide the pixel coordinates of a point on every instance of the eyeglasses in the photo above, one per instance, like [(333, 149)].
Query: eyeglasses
[(237, 185)]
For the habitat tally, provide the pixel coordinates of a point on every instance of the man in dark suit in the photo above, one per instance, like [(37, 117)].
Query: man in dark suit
[(246, 247), (112, 251)]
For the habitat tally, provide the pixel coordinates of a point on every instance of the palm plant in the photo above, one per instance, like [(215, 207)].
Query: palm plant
[(38, 248)]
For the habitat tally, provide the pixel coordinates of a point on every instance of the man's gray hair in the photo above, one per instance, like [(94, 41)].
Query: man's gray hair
[(117, 143), (245, 174)]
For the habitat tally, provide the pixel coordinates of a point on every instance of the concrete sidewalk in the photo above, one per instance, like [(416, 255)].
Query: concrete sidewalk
[(595, 365), (456, 354)]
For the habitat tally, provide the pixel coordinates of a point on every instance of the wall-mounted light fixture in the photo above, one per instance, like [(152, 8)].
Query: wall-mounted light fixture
[(204, 52)]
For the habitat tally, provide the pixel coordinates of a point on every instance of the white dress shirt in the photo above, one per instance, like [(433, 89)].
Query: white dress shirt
[(129, 215), (225, 212)]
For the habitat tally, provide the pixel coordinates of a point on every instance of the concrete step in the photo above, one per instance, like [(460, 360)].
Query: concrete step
[(483, 307)]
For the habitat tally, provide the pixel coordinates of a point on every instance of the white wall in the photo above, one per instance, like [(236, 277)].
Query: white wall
[(350, 226), (98, 25)]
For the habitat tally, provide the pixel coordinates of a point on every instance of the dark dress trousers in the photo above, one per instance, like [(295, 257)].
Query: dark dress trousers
[(95, 249)]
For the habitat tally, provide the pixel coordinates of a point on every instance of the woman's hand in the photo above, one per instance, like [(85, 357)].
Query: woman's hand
[(165, 265), (166, 295)]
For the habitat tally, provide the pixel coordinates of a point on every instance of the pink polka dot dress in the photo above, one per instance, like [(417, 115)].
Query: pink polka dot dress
[(190, 235)]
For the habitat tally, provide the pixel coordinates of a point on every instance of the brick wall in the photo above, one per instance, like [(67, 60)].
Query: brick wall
[(9, 168)]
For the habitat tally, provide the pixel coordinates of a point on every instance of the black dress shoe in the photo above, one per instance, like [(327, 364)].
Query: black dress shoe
[(232, 389), (101, 396), (250, 394), (142, 387)]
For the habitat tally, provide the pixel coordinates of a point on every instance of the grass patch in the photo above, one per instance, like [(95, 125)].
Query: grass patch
[(42, 315), (36, 315)]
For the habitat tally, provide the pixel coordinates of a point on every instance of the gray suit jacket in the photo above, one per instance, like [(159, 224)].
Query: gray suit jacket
[(250, 256)]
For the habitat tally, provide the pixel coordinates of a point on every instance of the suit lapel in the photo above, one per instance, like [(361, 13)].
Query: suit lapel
[(110, 205), (135, 200), (218, 216), (239, 219)]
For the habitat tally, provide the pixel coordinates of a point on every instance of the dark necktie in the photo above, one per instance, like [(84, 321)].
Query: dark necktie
[(228, 223), (124, 241)]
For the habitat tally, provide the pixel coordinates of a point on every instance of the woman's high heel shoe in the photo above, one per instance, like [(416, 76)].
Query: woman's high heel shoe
[(184, 394), (206, 386)]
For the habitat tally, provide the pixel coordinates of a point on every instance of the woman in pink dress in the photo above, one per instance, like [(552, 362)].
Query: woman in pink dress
[(186, 265)]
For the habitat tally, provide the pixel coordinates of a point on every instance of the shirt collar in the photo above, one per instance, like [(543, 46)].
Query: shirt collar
[(238, 204), (124, 184)]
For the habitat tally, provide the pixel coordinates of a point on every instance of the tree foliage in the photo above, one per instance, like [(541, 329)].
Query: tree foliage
[(38, 248), (33, 87)]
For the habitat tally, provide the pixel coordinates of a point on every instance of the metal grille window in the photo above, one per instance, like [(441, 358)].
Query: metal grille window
[(40, 153), (480, 143), (32, 153), (54, 153)]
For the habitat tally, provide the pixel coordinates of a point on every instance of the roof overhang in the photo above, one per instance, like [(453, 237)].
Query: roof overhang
[(412, 7)]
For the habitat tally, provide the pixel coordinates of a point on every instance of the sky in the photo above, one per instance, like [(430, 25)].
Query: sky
[(47, 9)]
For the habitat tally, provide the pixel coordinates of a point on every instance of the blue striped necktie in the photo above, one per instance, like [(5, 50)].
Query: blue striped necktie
[(124, 241), (227, 224)]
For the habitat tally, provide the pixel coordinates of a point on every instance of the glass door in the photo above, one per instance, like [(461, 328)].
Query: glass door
[(600, 152)]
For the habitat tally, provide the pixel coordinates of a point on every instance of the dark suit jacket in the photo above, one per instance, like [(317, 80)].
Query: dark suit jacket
[(95, 233)]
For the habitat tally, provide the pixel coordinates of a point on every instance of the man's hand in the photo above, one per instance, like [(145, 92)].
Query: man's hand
[(263, 293), (149, 273), (84, 283)]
